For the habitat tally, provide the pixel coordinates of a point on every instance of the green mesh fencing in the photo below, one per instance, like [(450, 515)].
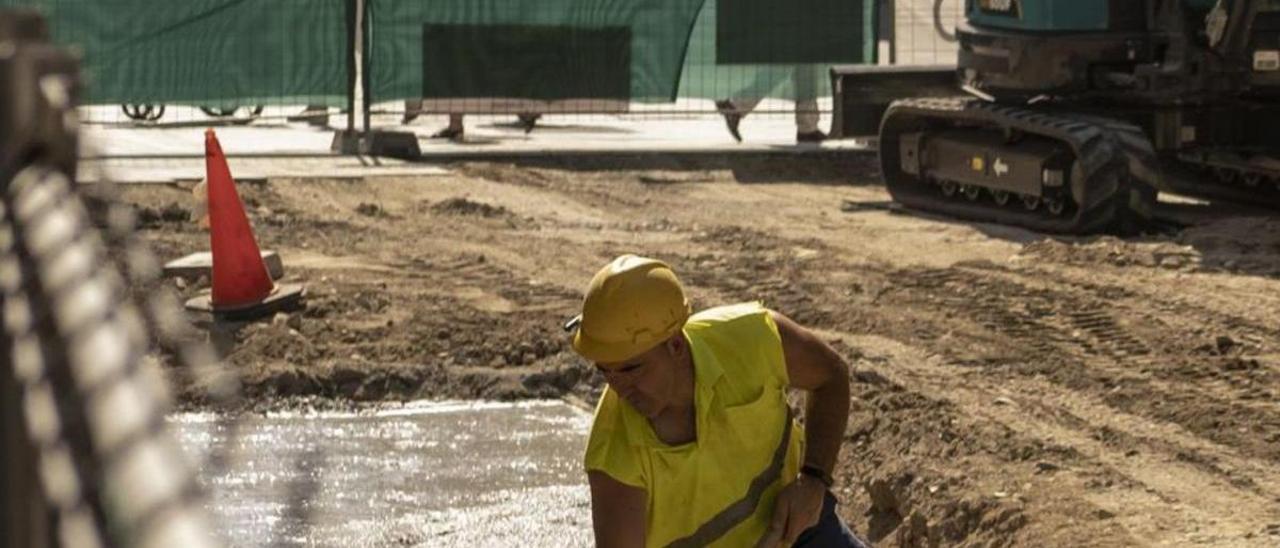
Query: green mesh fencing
[(708, 77), (527, 61), (217, 53), (560, 49), (796, 31), (224, 53), (556, 47)]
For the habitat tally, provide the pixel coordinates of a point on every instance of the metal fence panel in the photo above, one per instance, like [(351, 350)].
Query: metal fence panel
[(278, 59), (217, 54)]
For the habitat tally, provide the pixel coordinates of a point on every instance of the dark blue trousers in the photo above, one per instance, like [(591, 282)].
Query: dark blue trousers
[(830, 532)]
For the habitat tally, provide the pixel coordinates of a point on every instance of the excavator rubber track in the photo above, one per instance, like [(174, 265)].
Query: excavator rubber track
[(1108, 178), (1245, 177)]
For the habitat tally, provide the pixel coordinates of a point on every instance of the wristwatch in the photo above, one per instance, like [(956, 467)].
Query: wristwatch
[(818, 473)]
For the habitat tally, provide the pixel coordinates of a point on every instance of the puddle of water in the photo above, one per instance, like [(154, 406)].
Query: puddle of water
[(427, 474)]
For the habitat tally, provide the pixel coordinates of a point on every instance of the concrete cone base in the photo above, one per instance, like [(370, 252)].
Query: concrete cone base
[(286, 298), (195, 265)]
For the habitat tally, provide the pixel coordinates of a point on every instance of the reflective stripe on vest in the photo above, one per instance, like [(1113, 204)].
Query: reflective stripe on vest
[(744, 507)]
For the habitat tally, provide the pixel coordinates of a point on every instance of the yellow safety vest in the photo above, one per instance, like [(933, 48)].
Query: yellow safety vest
[(719, 489)]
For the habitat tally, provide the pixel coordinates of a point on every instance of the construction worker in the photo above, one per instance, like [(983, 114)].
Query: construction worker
[(693, 443)]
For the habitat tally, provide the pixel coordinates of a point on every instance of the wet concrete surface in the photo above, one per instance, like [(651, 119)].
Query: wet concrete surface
[(425, 474)]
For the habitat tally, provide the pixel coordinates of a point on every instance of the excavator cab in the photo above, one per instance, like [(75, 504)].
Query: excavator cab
[(1139, 50), (1058, 15)]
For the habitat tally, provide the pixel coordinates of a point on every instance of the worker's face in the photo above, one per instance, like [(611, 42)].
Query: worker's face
[(647, 381)]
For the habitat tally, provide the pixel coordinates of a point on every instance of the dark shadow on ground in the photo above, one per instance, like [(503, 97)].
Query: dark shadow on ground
[(558, 128), (210, 122), (836, 168), (1232, 238), (1185, 235)]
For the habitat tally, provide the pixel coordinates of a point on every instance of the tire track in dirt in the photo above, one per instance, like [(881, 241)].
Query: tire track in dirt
[(760, 266), (1145, 298), (1141, 473), (1082, 344), (942, 470)]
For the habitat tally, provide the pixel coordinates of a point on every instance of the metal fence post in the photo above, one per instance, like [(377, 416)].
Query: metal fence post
[(887, 34), (347, 141), (353, 67), (362, 41), (396, 144)]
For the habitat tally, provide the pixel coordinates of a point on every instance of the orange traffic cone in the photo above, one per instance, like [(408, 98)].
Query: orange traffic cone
[(239, 275), (241, 284)]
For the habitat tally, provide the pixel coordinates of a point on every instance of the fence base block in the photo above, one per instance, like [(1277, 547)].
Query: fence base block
[(393, 144), (346, 141)]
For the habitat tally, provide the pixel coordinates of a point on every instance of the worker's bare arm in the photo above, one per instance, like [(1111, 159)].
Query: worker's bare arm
[(814, 366), (618, 512)]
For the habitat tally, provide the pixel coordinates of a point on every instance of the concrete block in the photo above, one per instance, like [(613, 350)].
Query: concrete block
[(195, 265), (393, 144), (345, 141)]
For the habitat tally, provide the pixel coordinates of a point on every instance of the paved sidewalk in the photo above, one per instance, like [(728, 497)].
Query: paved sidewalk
[(161, 153), (486, 135)]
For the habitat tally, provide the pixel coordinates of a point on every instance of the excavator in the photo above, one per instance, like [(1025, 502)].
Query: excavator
[(1075, 114)]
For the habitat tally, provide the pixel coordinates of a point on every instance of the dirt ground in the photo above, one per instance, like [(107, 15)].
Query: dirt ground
[(1011, 389)]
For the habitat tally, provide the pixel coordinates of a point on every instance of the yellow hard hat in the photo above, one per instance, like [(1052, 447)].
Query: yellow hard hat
[(632, 305)]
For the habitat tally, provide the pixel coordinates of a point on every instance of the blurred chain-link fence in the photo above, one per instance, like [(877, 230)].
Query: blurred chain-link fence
[(88, 460), (922, 31), (91, 409)]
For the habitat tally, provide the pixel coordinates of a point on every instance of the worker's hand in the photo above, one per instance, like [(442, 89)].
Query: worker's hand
[(798, 507)]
